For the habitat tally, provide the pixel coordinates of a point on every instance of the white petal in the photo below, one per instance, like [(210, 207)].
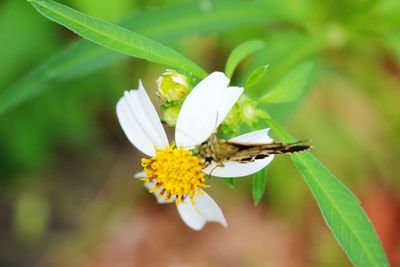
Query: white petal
[(209, 209), (160, 199), (204, 109), (139, 175), (256, 137), (179, 79), (233, 169), (140, 122), (191, 215), (204, 210)]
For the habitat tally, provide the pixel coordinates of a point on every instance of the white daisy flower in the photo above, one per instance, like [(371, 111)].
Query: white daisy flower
[(172, 172)]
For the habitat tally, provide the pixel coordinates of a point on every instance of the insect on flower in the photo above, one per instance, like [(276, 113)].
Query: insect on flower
[(173, 172), (220, 151)]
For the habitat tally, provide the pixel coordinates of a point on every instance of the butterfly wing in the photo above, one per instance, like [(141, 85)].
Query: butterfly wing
[(251, 152)]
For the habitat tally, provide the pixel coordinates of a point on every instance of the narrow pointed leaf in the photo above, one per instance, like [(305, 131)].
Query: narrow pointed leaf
[(239, 53), (259, 183), (165, 24), (230, 182), (256, 76), (115, 37), (340, 208)]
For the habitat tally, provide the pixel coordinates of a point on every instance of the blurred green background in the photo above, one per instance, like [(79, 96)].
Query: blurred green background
[(67, 197)]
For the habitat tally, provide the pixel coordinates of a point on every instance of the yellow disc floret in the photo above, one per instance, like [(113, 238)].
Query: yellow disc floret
[(177, 172)]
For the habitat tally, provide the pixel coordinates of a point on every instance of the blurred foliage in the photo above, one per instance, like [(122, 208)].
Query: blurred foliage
[(16, 56), (350, 109), (37, 209)]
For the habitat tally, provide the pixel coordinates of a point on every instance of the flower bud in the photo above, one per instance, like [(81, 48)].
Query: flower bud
[(244, 112), (248, 110), (231, 123), (170, 115), (172, 86)]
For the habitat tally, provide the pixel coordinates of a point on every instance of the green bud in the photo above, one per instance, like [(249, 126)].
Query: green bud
[(244, 112), (231, 123), (170, 115), (172, 86), (248, 110)]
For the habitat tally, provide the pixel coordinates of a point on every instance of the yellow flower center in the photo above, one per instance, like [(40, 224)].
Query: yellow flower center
[(176, 172)]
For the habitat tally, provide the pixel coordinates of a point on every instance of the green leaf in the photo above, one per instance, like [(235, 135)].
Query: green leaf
[(285, 51), (239, 53), (166, 24), (291, 85), (62, 67), (115, 37), (340, 208), (256, 76), (259, 182), (230, 182)]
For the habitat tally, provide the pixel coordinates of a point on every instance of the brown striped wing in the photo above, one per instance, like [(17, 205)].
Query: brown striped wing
[(252, 152)]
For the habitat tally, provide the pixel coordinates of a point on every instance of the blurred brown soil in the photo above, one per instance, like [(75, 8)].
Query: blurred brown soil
[(383, 207), (157, 237), (139, 232)]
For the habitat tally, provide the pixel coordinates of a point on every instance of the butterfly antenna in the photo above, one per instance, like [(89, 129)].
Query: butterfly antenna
[(209, 176)]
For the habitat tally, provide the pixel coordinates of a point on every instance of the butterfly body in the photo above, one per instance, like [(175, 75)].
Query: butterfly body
[(219, 151)]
